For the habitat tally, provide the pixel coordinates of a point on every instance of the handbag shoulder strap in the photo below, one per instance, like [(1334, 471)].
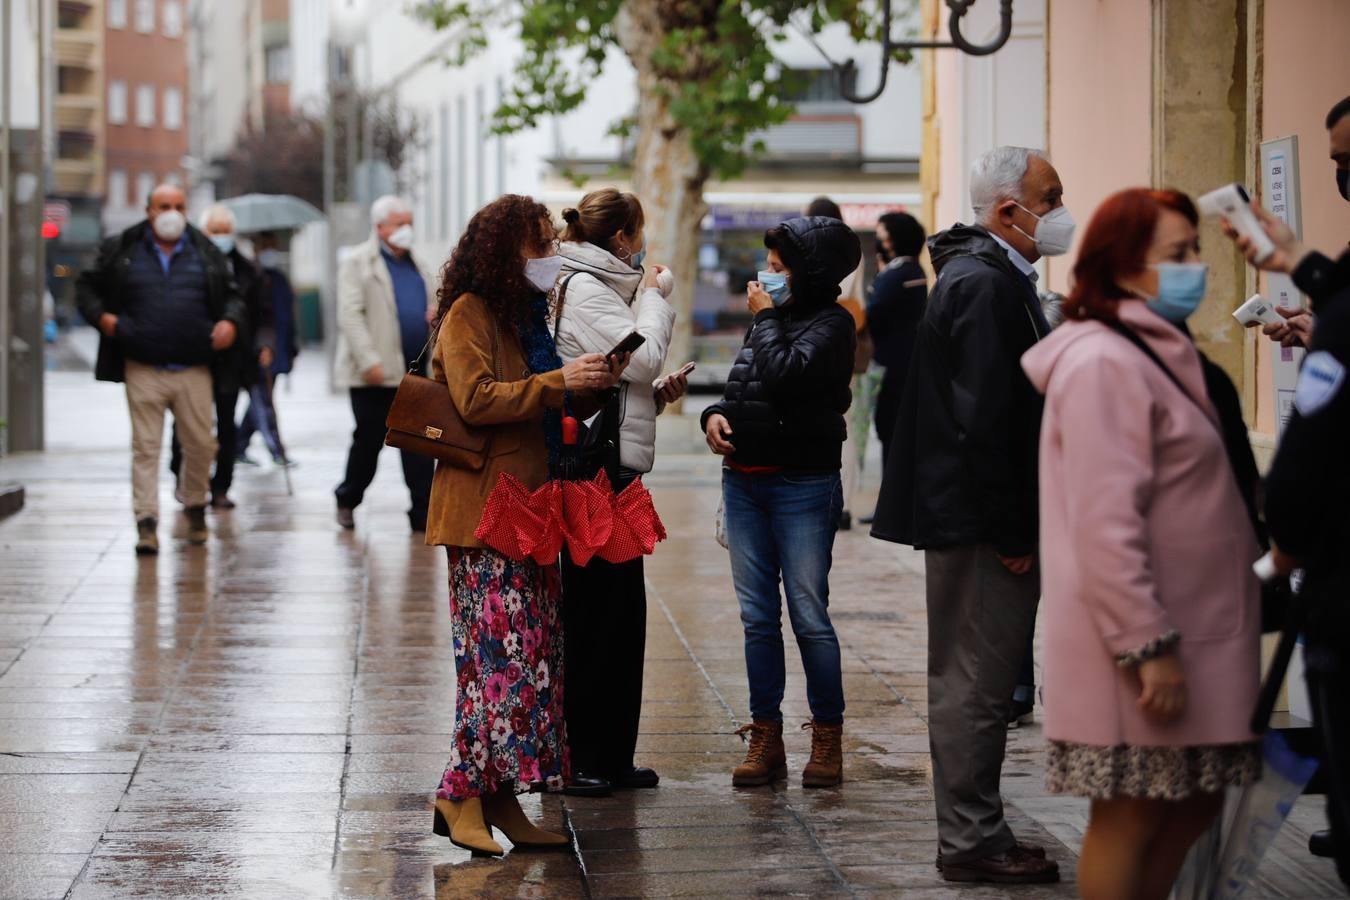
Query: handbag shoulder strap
[(562, 296)]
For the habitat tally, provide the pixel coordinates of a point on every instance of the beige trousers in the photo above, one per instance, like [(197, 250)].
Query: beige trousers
[(187, 394)]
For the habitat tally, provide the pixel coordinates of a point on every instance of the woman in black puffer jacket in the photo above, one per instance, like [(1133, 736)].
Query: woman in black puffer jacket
[(780, 426)]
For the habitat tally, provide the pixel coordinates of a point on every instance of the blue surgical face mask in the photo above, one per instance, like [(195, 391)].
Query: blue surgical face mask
[(1181, 287), (636, 259), (269, 259), (223, 242), (776, 286)]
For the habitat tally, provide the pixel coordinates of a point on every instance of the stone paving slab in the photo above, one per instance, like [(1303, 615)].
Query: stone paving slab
[(268, 716)]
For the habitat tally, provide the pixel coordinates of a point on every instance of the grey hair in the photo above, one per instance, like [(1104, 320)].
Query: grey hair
[(997, 176), (213, 212), (387, 206)]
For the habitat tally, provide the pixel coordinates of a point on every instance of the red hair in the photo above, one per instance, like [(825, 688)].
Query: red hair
[(1115, 246)]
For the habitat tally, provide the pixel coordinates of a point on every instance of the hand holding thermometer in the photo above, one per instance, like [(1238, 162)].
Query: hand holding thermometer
[(1256, 311), (1232, 203)]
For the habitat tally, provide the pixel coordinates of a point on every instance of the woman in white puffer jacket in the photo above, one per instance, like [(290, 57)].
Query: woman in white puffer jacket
[(605, 296)]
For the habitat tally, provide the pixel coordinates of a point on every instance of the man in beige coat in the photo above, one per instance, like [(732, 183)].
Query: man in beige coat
[(385, 304)]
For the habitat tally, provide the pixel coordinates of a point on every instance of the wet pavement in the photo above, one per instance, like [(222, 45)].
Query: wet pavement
[(269, 715)]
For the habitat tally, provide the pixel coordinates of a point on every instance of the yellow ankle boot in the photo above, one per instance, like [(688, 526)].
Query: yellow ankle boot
[(462, 822), (502, 811)]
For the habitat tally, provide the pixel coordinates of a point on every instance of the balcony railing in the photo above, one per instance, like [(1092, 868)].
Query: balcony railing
[(76, 111), (76, 47), (75, 176)]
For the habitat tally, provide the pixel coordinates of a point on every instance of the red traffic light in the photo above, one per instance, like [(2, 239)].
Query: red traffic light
[(51, 230)]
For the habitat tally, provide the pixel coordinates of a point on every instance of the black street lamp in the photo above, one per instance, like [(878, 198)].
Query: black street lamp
[(889, 47)]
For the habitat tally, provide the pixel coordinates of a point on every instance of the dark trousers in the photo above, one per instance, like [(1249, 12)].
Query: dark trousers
[(604, 643), (370, 408), (1331, 715), (223, 476)]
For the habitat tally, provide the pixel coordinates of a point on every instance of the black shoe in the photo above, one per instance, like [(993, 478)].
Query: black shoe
[(243, 459), (637, 777), (845, 521), (1020, 714), (1319, 844), (221, 501), (587, 786), (345, 517)]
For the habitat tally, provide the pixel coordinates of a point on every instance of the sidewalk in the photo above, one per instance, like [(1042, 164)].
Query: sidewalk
[(268, 716)]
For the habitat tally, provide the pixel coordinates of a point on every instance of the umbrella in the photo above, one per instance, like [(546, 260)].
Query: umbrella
[(637, 528), (509, 524), (270, 212)]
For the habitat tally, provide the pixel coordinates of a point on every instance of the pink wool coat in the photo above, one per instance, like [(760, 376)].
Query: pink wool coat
[(1142, 531)]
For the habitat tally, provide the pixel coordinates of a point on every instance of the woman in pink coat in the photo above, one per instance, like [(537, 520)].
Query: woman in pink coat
[(1150, 616)]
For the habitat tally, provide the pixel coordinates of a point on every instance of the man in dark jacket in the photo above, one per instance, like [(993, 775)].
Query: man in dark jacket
[(894, 307), (241, 368), (276, 356), (1308, 492), (961, 485), (168, 308)]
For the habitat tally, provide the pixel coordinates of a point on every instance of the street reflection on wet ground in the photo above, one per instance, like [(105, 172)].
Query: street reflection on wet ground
[(269, 715)]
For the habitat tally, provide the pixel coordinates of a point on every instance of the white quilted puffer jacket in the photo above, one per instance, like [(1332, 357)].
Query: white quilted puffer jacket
[(601, 307)]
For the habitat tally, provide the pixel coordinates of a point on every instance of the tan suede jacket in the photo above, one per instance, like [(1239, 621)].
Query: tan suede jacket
[(470, 350)]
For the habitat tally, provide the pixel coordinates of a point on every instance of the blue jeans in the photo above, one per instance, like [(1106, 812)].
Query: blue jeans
[(782, 526)]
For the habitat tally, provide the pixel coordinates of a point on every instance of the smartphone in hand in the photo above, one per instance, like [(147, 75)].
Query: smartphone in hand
[(627, 345)]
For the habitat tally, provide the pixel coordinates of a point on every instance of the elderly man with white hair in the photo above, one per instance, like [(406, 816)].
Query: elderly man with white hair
[(385, 304), (961, 485), (240, 368)]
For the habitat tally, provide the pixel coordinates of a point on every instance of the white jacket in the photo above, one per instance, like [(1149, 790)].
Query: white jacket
[(367, 317), (600, 308)]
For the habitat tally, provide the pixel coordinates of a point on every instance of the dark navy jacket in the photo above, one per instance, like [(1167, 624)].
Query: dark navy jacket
[(170, 311)]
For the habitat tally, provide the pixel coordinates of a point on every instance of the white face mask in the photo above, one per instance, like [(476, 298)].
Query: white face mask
[(169, 225), (543, 272), (1054, 231), (401, 238)]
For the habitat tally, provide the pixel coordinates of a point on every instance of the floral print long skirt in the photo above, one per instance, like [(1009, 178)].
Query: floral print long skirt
[(506, 622)]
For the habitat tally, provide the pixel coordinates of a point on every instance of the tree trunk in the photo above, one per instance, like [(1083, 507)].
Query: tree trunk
[(667, 174)]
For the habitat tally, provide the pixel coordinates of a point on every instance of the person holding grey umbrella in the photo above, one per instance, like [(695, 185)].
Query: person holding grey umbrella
[(275, 358)]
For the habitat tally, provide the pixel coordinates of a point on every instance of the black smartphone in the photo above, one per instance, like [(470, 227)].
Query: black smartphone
[(627, 345)]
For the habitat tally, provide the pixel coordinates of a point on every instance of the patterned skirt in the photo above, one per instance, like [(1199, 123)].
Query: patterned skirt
[(506, 622), (1149, 773)]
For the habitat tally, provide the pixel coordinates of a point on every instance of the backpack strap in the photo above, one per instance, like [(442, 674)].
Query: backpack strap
[(562, 295)]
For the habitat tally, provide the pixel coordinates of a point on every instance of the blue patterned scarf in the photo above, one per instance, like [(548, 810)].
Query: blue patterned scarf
[(541, 355)]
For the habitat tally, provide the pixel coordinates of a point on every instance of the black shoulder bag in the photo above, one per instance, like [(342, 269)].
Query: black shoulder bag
[(598, 440), (1275, 595)]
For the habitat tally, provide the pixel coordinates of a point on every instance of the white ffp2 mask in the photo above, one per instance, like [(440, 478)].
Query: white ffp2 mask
[(169, 225), (401, 238), (1054, 231), (543, 272)]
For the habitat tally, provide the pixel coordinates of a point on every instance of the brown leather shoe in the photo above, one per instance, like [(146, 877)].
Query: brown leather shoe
[(197, 532), (826, 767), (1017, 866), (1035, 850), (765, 758)]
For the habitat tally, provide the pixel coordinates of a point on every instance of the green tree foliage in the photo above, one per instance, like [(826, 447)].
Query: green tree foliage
[(712, 59)]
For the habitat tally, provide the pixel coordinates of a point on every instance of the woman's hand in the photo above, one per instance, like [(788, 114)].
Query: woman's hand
[(653, 273), (617, 365), (1162, 695), (589, 372), (756, 298), (673, 387), (719, 435), (1288, 251)]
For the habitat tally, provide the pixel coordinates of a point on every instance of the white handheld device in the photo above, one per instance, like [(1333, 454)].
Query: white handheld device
[(1256, 311), (1232, 203)]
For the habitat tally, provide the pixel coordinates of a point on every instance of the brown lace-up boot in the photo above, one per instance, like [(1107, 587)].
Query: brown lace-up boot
[(826, 767), (765, 758)]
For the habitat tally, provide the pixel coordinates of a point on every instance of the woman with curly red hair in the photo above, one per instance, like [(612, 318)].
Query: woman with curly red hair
[(496, 356), (1150, 612)]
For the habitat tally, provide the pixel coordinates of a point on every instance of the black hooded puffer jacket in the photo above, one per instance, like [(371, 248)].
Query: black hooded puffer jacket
[(789, 387)]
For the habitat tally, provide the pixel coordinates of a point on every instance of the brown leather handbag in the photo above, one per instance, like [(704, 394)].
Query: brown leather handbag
[(424, 420)]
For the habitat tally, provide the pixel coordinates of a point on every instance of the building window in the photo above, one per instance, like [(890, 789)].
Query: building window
[(173, 19), (117, 13), (117, 189), (145, 16), (145, 105), (278, 64), (145, 183), (173, 108), (117, 103)]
